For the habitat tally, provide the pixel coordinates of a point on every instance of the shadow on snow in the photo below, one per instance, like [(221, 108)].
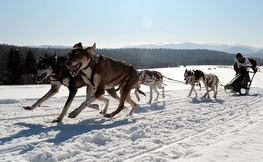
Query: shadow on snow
[(66, 131)]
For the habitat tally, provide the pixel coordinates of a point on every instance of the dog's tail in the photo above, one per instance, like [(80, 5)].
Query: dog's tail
[(141, 92)]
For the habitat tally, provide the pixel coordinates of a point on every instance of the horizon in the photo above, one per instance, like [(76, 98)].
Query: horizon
[(115, 24), (214, 46)]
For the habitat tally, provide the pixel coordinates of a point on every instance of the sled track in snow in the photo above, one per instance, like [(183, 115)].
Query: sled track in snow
[(152, 151), (28, 117)]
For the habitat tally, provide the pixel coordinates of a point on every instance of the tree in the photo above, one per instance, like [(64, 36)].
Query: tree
[(15, 66), (30, 62)]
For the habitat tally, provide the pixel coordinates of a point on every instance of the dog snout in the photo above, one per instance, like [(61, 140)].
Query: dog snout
[(68, 62)]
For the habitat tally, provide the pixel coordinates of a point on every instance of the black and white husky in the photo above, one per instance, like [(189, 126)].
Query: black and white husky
[(154, 80), (54, 69), (193, 77)]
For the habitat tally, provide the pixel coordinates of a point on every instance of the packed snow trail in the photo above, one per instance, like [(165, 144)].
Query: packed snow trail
[(176, 128)]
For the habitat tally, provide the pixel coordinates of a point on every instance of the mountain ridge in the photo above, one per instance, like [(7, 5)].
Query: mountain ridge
[(211, 46)]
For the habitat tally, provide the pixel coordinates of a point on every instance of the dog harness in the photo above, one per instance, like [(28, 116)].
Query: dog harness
[(127, 67), (95, 70), (158, 76)]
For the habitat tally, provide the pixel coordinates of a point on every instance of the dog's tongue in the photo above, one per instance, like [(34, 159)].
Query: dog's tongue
[(71, 68), (186, 82)]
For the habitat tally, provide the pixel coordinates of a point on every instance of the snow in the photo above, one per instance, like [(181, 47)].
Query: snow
[(176, 128)]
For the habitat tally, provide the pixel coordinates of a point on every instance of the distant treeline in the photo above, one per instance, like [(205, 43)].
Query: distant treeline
[(16, 63)]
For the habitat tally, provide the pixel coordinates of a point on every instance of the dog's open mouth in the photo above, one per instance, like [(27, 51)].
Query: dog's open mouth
[(187, 80), (74, 69), (40, 78)]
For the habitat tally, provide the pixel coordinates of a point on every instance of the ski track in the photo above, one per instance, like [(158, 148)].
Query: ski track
[(189, 122)]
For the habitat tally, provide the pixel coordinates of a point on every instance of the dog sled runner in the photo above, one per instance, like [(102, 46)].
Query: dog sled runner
[(240, 83)]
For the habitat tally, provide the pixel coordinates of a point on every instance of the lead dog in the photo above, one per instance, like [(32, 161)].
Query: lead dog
[(211, 81), (54, 69), (100, 73), (153, 79), (193, 77)]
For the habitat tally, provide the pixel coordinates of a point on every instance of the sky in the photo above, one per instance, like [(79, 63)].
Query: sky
[(118, 23)]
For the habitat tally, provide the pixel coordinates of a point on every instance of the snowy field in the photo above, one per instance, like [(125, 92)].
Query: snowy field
[(176, 128)]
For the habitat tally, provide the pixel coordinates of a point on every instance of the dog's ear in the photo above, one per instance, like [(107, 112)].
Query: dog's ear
[(78, 45), (39, 57), (185, 70), (89, 49), (54, 58)]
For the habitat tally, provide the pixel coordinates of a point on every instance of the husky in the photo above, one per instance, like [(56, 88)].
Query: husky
[(153, 79), (193, 77), (102, 73), (54, 69), (211, 81)]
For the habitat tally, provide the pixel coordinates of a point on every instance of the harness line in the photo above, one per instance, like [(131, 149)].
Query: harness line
[(174, 80)]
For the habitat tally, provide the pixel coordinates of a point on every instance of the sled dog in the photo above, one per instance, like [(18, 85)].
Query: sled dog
[(193, 77), (54, 69), (153, 79), (101, 73), (211, 81)]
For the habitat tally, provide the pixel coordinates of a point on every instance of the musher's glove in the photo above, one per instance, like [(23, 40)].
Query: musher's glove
[(255, 69)]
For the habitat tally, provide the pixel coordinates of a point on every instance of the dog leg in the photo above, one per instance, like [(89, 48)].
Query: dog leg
[(106, 101), (195, 92), (207, 92), (215, 91), (94, 106), (214, 88), (132, 103), (192, 88), (136, 95), (54, 90), (156, 91), (77, 111), (163, 95), (151, 95), (112, 93), (125, 89), (89, 99), (72, 93)]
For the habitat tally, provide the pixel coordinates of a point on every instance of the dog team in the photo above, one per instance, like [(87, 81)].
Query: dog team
[(99, 73)]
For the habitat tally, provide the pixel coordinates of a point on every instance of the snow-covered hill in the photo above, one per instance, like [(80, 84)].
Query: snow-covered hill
[(235, 48), (176, 128)]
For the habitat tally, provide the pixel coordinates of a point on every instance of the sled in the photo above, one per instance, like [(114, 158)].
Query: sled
[(242, 89)]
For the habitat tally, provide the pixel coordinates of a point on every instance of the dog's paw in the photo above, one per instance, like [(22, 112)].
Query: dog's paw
[(73, 114), (108, 115), (57, 121), (103, 112), (28, 108)]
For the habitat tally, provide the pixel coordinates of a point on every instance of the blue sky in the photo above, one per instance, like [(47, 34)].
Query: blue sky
[(117, 23)]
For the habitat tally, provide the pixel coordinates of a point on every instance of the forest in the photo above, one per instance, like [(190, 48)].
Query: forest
[(17, 63)]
